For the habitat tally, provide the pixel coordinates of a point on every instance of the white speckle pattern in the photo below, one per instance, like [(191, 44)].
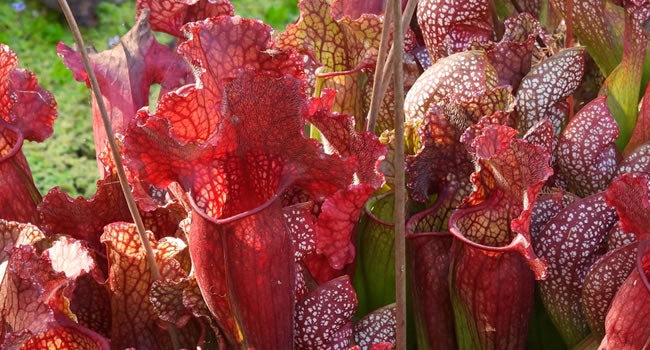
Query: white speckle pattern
[(587, 156), (541, 134), (443, 20), (466, 74), (422, 56), (376, 327), (323, 313), (570, 244), (550, 82), (637, 162), (603, 279), (617, 238), (546, 207), (301, 284), (300, 221)]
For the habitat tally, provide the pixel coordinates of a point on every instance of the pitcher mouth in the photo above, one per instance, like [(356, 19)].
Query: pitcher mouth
[(18, 144), (428, 234), (443, 197), (459, 213), (373, 217), (243, 214), (518, 244), (410, 226)]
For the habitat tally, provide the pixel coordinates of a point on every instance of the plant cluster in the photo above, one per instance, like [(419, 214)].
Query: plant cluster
[(269, 207)]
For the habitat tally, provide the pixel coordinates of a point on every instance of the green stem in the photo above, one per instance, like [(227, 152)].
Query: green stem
[(318, 87), (377, 95), (400, 189)]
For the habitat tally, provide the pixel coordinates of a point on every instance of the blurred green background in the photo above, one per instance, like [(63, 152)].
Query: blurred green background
[(67, 159)]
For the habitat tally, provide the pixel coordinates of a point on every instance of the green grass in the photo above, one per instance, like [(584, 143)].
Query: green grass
[(67, 159)]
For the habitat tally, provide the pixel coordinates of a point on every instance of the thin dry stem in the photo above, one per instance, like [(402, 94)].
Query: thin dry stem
[(151, 260), (388, 68), (499, 28), (400, 190), (375, 101)]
